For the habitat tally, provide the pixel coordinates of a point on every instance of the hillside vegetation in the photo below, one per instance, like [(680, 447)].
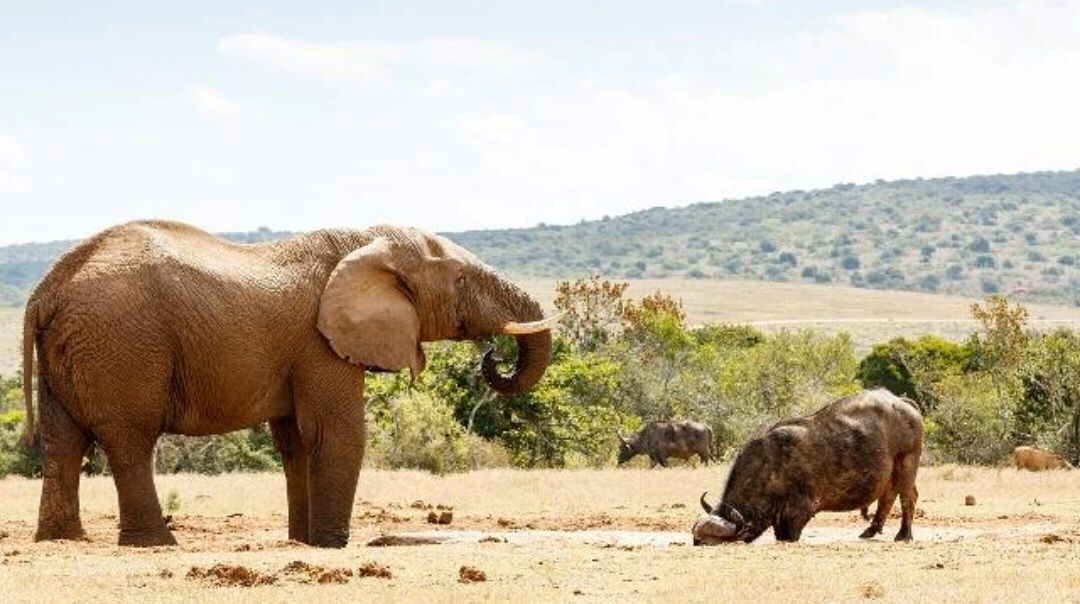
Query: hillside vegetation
[(967, 236)]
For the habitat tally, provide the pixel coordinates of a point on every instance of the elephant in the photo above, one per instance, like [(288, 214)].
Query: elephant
[(155, 327)]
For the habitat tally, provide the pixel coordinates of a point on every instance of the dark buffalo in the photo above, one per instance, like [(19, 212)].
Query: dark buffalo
[(857, 450), (661, 440)]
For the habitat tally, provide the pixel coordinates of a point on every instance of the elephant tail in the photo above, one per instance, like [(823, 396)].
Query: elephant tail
[(30, 327)]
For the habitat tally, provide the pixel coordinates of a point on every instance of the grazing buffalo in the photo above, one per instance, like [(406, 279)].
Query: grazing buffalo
[(661, 440), (857, 450), (1037, 460)]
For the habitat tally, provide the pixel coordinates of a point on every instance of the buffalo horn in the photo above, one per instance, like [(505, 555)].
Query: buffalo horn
[(705, 506)]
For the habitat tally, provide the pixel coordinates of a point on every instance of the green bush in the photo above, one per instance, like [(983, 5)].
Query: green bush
[(906, 367), (973, 421), (417, 430), (242, 451), (15, 456)]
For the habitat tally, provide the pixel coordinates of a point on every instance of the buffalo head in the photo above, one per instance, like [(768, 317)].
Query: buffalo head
[(714, 528)]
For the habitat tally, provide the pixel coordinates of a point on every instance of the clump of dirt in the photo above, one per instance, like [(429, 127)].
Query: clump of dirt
[(444, 517), (230, 575), (335, 575), (1052, 538), (166, 574), (505, 522), (374, 569), (380, 515), (302, 572), (493, 539), (969, 500), (420, 504), (470, 574), (872, 590)]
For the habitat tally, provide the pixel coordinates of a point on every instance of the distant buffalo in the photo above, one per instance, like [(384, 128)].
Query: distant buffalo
[(857, 450), (661, 440), (1037, 460)]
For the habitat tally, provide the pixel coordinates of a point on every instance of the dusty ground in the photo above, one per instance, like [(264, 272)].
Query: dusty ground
[(604, 535)]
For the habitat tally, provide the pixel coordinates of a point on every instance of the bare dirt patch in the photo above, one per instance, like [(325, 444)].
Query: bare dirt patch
[(595, 536)]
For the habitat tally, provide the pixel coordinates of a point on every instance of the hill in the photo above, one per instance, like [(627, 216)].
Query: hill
[(962, 236)]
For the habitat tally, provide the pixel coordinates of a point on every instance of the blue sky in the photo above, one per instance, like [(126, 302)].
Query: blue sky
[(461, 115)]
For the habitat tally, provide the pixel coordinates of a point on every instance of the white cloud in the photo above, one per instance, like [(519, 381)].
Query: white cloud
[(376, 64), (214, 104), (890, 94), (12, 157)]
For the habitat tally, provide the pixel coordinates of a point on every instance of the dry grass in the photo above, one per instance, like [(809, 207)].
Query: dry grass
[(996, 551), (869, 316)]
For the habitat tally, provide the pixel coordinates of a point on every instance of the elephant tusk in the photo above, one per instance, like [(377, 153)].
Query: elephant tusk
[(517, 329)]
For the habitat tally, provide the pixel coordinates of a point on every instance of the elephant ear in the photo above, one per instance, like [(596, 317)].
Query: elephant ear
[(367, 314)]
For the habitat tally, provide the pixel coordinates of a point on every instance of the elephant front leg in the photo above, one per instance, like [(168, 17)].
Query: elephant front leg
[(294, 457), (333, 470), (330, 414)]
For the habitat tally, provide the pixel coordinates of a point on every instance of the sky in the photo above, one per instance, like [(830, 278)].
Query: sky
[(466, 115)]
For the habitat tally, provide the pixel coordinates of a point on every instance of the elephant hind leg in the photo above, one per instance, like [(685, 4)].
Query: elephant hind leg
[(130, 454), (65, 444), (295, 459)]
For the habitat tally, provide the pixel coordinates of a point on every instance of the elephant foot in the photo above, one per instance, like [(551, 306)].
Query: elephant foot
[(870, 532), (329, 540), (147, 538), (72, 531)]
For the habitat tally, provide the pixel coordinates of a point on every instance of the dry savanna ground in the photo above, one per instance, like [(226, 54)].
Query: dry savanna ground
[(869, 316), (584, 535)]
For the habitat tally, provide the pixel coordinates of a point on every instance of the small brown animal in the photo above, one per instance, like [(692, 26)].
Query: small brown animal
[(661, 440), (1037, 460)]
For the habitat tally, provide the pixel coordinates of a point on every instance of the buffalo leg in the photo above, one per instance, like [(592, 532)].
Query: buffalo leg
[(295, 459), (884, 506), (909, 495)]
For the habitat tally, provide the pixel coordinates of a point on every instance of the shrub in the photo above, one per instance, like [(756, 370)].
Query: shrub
[(972, 421), (908, 368), (241, 451), (416, 430)]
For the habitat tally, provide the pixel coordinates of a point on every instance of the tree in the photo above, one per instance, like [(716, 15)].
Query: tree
[(592, 310)]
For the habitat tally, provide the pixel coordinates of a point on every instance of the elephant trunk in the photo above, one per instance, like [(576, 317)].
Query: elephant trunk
[(533, 346)]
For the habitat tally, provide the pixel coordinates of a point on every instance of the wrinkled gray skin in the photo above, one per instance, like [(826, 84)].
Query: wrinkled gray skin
[(857, 450), (661, 440), (157, 327)]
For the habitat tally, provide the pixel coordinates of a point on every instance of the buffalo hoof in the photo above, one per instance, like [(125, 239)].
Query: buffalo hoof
[(903, 535), (870, 532)]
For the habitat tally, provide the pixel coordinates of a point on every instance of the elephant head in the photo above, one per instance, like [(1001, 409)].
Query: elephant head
[(405, 286)]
